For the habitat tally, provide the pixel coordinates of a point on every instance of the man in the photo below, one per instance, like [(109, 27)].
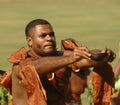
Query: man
[(115, 98), (77, 83), (38, 75), (117, 69)]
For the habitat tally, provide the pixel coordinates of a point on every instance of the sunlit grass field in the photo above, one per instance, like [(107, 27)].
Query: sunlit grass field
[(94, 23)]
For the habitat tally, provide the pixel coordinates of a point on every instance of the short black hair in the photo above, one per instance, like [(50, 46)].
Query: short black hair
[(33, 23)]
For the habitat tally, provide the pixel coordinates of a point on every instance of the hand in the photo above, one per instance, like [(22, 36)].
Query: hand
[(110, 55), (81, 52)]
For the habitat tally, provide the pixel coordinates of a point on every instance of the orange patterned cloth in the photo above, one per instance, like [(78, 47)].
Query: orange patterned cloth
[(29, 77), (7, 81), (103, 84)]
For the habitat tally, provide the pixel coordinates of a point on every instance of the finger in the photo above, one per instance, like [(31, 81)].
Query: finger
[(84, 49), (112, 56), (83, 54), (104, 50)]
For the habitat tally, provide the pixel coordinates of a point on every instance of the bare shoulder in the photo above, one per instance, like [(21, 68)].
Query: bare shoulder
[(15, 70)]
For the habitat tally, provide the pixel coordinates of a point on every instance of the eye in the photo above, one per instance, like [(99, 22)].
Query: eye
[(52, 34), (43, 35)]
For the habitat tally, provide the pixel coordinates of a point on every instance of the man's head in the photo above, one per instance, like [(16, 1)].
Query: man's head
[(40, 37)]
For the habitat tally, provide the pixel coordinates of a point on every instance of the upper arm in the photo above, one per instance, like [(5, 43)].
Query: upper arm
[(18, 90), (117, 69)]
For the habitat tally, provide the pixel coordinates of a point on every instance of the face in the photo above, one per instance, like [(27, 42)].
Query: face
[(42, 41)]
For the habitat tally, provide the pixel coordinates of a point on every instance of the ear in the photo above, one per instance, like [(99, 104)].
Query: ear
[(29, 41)]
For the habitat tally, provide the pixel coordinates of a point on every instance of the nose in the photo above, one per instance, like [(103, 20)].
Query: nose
[(48, 37)]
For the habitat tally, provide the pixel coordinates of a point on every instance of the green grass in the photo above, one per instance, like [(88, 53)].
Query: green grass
[(94, 23)]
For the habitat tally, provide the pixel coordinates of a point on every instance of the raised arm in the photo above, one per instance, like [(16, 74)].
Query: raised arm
[(97, 56), (51, 64)]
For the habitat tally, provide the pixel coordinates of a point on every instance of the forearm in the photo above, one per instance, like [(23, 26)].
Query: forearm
[(86, 63), (50, 64)]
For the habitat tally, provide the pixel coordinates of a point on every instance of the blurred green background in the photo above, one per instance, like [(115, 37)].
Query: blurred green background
[(94, 23)]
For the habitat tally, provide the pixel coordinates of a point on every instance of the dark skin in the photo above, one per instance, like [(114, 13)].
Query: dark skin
[(78, 81), (116, 96), (117, 69), (42, 43)]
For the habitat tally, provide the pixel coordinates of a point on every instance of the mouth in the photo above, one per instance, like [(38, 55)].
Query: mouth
[(50, 45)]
